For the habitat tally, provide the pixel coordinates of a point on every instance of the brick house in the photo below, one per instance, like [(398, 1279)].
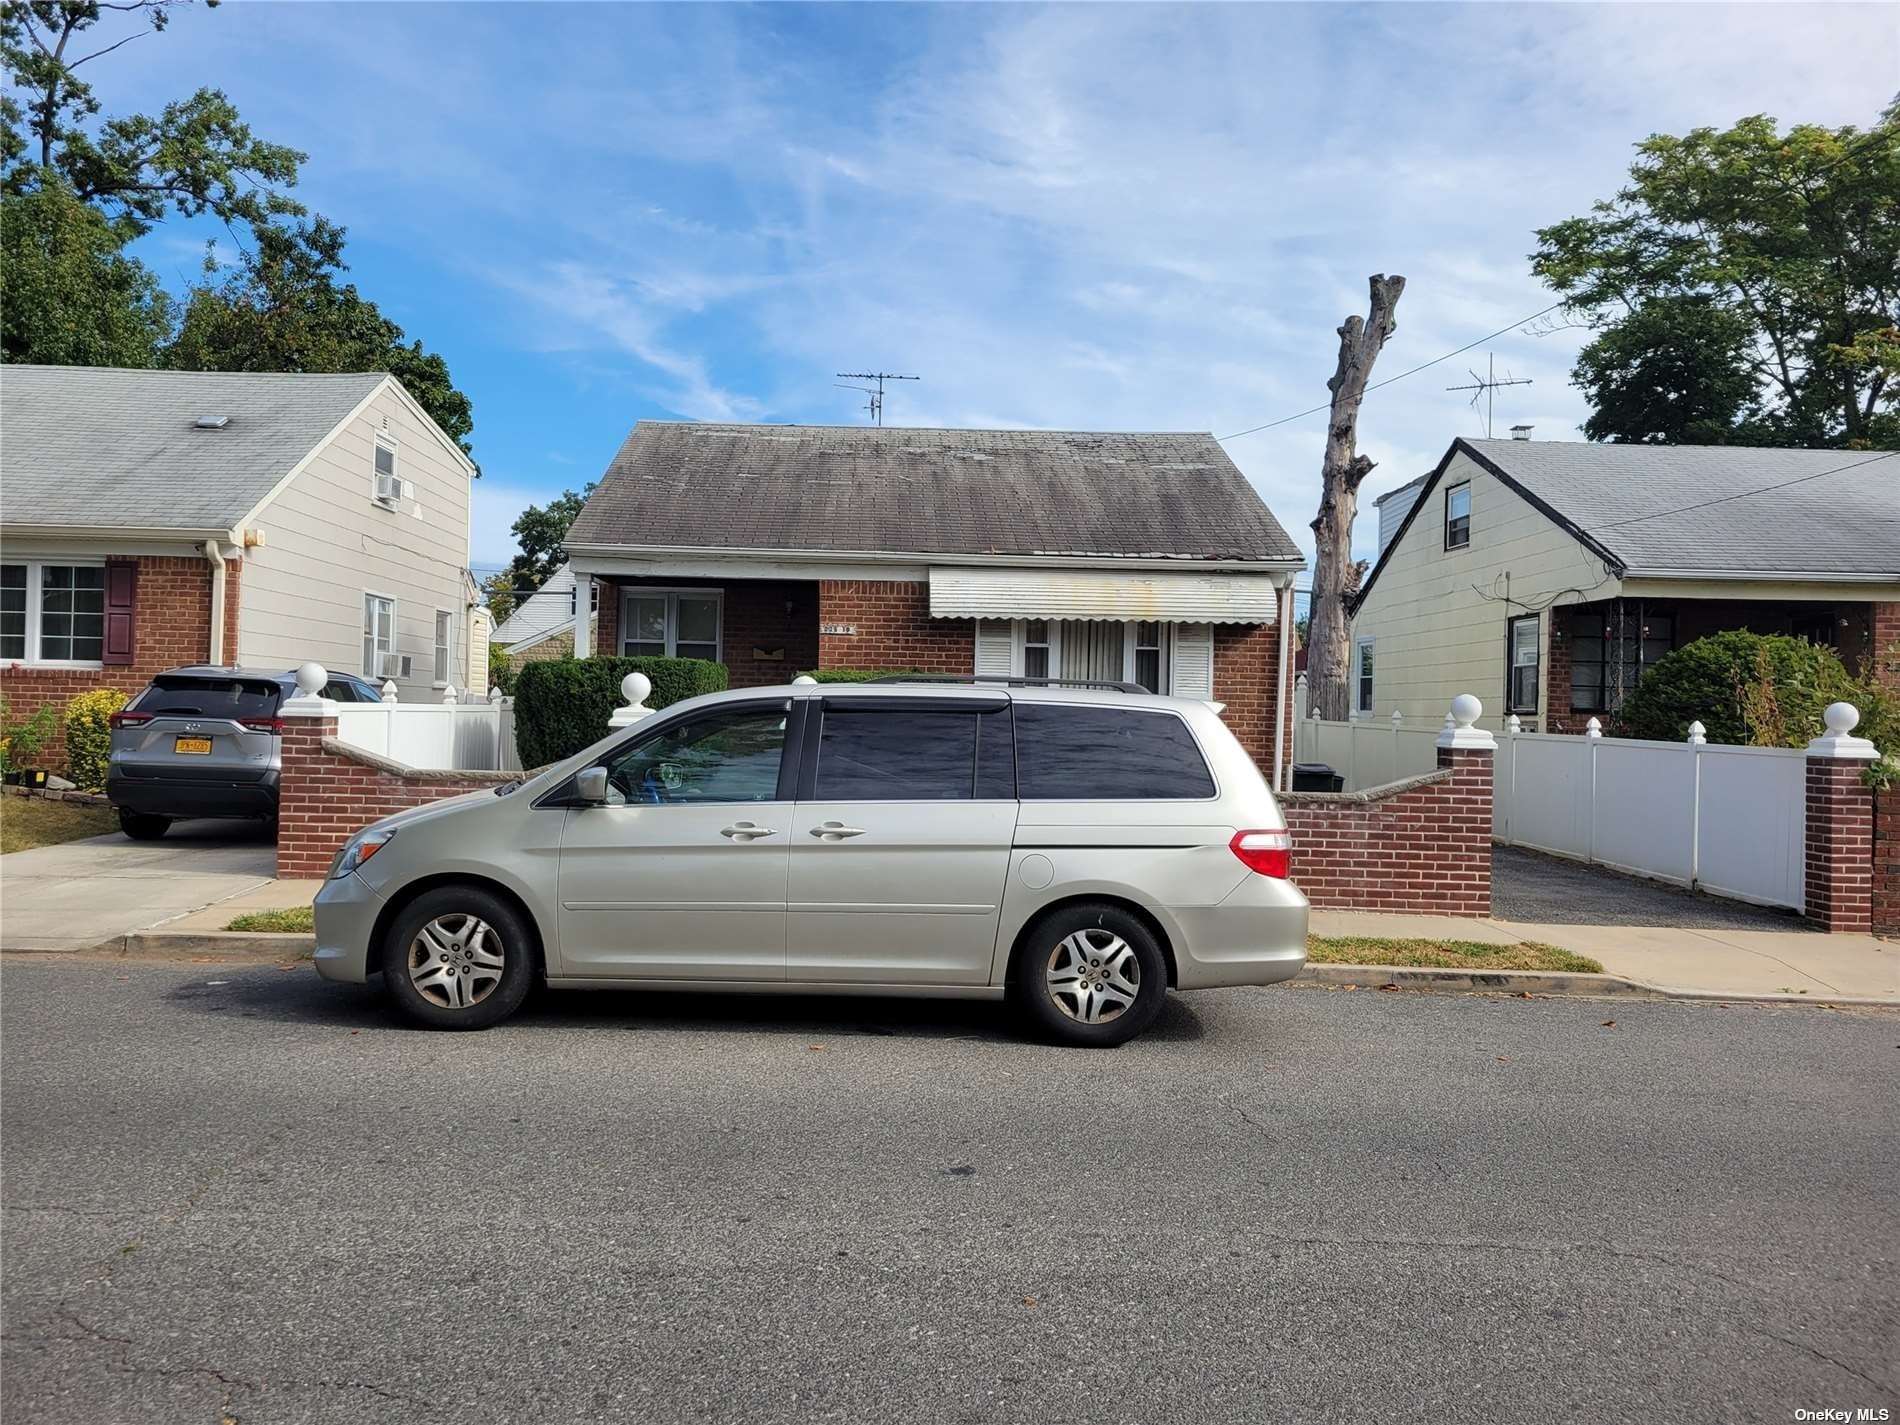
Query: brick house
[(1143, 558), (1547, 575), (161, 518)]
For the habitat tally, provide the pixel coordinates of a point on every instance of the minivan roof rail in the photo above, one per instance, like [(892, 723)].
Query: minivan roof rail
[(1014, 682)]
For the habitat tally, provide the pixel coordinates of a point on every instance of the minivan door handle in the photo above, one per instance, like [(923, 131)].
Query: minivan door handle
[(835, 831), (746, 831)]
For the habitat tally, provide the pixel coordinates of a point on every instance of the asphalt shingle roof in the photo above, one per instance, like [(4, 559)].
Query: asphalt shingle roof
[(929, 491), (110, 448), (1719, 509)]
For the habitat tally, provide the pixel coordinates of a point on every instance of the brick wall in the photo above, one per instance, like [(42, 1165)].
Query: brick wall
[(1422, 846), (327, 792), (172, 627), (761, 617), (1884, 622), (1840, 846), (1886, 862), (894, 628), (1246, 657)]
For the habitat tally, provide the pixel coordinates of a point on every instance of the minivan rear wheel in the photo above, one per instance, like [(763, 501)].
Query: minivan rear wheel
[(1089, 974), (143, 825), (458, 957)]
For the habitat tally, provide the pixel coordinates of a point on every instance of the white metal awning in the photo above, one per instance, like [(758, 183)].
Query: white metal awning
[(1101, 594)]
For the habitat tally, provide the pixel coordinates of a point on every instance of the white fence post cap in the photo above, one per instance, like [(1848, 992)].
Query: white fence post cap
[(390, 693), (1513, 724), (1593, 728), (309, 701), (1461, 731), (1697, 733), (310, 678), (449, 695), (1840, 742), (804, 680), (634, 688), (494, 693), (1397, 717)]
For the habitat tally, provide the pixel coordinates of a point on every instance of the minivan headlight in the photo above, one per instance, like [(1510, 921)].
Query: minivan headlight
[(359, 848)]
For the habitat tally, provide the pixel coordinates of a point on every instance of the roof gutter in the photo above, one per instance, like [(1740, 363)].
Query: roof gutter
[(1742, 576), (123, 534), (941, 556)]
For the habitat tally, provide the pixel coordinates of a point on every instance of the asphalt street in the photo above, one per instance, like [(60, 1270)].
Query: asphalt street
[(244, 1194)]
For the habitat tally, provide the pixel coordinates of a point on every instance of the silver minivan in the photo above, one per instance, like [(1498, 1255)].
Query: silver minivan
[(1079, 850)]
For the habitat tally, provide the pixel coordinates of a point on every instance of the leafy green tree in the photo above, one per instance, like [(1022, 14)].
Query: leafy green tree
[(194, 156), (498, 590), (280, 307), (68, 295), (1751, 276), (541, 531)]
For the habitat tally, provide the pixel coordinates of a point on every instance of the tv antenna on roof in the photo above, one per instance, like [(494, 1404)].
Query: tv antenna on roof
[(1484, 385), (876, 404)]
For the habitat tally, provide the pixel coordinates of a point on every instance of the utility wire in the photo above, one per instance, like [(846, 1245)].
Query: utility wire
[(1325, 405), (1749, 494)]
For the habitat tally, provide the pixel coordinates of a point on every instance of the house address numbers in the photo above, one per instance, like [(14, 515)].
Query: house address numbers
[(845, 629)]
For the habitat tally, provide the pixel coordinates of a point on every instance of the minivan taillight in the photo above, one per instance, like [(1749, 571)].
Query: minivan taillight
[(262, 724), (128, 719), (1268, 852)]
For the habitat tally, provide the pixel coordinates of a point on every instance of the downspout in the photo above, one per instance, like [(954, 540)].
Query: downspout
[(1284, 690), (214, 555)]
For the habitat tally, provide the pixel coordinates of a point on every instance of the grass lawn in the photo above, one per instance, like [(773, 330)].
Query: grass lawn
[(292, 920), (1444, 954), (26, 822)]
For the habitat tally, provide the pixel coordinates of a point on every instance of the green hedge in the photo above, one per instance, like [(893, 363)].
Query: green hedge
[(854, 675), (563, 704), (88, 723)]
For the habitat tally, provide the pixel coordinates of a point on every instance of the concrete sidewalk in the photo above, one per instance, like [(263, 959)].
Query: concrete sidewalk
[(1672, 958), (83, 893)]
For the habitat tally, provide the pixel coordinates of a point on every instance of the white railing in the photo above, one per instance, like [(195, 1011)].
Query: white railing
[(1368, 753), (1728, 820), (452, 734)]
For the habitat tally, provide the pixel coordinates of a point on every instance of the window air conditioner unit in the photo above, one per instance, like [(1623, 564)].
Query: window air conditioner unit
[(393, 665)]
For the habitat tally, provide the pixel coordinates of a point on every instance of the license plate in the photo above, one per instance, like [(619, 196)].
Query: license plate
[(201, 746)]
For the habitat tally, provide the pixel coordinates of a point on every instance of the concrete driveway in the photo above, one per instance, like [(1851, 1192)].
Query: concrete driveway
[(86, 893)]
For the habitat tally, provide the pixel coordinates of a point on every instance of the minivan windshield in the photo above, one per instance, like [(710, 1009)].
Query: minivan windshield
[(234, 698)]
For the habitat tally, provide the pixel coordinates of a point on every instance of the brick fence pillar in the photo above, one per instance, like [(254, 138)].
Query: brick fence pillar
[(304, 844), (1840, 840), (1469, 752)]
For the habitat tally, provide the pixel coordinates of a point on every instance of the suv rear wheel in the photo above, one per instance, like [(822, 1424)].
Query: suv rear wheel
[(458, 957), (1090, 975), (143, 825)]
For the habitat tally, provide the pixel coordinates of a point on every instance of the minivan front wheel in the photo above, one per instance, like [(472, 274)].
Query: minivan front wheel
[(458, 957), (1090, 975)]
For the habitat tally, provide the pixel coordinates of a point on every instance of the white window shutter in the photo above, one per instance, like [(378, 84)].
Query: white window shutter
[(995, 647), (1191, 670)]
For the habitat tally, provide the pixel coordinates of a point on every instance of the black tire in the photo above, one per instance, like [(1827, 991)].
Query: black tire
[(458, 972), (1101, 927), (143, 825)]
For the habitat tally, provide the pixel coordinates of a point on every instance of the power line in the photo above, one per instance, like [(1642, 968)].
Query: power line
[(1326, 405), (1749, 494)]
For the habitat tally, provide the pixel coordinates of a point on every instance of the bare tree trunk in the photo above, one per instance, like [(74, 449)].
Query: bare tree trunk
[(1328, 655)]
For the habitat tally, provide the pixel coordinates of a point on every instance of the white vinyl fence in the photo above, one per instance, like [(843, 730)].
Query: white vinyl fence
[(1728, 820), (452, 735)]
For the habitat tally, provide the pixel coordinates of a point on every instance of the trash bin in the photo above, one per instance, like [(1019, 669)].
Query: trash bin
[(1316, 777)]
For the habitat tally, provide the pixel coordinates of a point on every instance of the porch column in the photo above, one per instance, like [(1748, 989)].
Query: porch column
[(583, 615), (1839, 890)]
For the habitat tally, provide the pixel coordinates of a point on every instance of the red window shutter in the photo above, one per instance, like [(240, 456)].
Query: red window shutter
[(122, 607)]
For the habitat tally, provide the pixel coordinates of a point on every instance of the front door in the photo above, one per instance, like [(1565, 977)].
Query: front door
[(682, 874), (900, 846)]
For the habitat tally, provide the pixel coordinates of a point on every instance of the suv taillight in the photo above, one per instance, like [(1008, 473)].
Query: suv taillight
[(1268, 852), (128, 719), (262, 724)]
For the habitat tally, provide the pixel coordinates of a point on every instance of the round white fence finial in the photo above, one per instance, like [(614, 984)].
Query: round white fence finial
[(1841, 719), (310, 678), (804, 680), (1465, 710), (634, 688)]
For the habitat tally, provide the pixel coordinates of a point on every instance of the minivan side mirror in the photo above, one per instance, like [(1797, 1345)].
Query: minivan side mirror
[(590, 786)]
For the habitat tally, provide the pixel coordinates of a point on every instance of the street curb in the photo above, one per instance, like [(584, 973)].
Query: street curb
[(1552, 982), (216, 944)]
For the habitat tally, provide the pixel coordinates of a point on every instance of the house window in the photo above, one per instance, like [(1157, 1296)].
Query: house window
[(52, 613), (379, 635), (444, 634), (1362, 682), (1458, 516), (671, 623), (1609, 651), (1150, 666), (1521, 680), (1036, 648)]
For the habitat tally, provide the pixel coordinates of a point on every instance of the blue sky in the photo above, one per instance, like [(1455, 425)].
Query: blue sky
[(1125, 217)]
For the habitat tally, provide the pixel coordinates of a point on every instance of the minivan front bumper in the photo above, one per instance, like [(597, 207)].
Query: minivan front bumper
[(347, 908)]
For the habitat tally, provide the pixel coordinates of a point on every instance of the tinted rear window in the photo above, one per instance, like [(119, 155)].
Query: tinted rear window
[(887, 755), (209, 697), (1099, 754)]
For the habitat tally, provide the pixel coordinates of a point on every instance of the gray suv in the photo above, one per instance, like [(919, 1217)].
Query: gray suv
[(205, 741), (1078, 850)]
